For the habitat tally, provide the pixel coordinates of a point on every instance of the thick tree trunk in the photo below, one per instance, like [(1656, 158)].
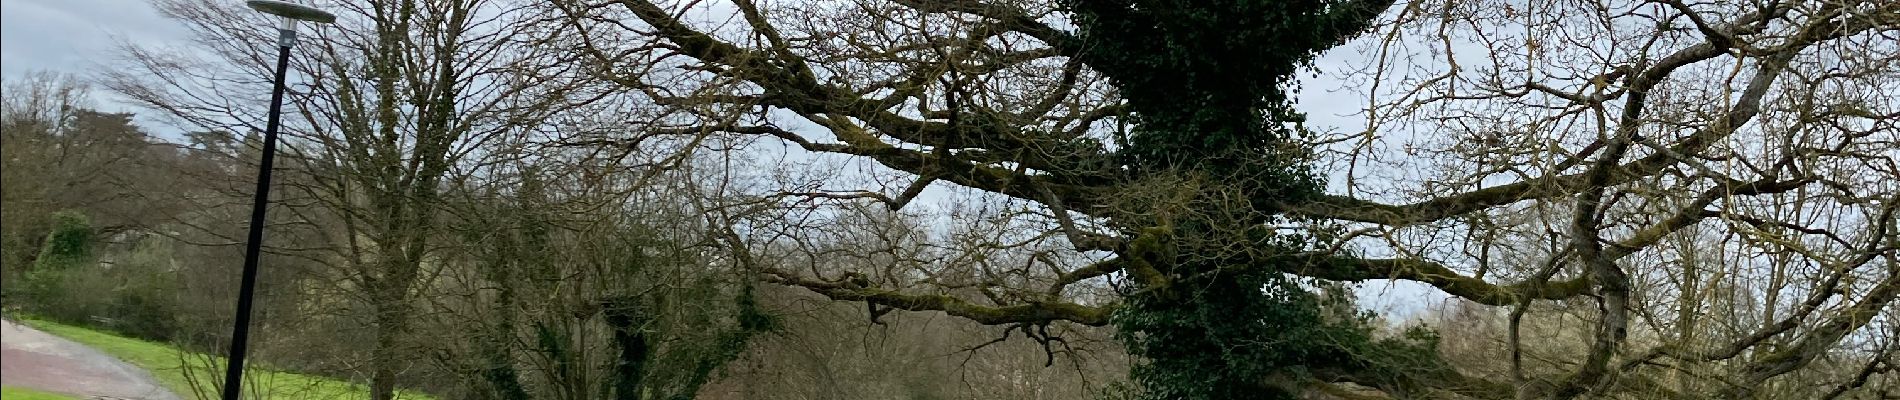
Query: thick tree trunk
[(498, 367), (382, 381), (625, 318), (389, 355)]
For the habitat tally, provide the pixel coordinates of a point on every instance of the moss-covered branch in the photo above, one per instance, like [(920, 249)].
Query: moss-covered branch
[(1038, 312), (1348, 268)]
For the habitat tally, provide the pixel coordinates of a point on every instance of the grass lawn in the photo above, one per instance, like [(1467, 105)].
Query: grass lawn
[(20, 393), (176, 370)]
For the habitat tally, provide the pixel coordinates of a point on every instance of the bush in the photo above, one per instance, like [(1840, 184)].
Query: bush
[(68, 245), (49, 283), (133, 295)]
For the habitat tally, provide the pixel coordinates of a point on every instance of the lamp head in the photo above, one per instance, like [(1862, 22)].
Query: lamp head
[(292, 11)]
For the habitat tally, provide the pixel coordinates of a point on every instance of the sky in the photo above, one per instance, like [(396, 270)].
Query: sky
[(76, 36), (81, 36)]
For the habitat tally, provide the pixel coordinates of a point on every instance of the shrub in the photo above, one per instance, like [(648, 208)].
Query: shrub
[(134, 294)]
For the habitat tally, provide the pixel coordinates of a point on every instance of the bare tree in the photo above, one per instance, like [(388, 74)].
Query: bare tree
[(1597, 131), (1724, 156), (399, 99), (31, 117)]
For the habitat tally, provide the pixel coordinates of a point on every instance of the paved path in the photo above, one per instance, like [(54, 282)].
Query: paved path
[(33, 359)]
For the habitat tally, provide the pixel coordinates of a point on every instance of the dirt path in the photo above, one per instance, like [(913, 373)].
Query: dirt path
[(33, 359)]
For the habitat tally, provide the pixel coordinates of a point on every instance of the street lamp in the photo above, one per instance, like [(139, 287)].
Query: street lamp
[(286, 36)]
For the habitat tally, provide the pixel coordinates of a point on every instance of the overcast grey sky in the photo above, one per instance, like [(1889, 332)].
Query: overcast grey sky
[(76, 36)]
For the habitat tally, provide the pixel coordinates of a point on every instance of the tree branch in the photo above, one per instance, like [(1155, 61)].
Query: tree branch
[(1347, 268), (1040, 312)]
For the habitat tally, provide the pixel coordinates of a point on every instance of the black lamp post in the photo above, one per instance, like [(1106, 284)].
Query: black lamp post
[(241, 329)]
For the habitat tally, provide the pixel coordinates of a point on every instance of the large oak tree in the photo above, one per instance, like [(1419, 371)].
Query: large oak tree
[(1161, 180)]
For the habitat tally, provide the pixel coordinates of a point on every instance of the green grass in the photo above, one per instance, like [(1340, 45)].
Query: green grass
[(177, 370), (20, 393)]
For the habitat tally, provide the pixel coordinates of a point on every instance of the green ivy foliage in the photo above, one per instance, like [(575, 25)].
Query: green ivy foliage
[(1210, 84), (1209, 81), (1223, 342), (1252, 334), (69, 244)]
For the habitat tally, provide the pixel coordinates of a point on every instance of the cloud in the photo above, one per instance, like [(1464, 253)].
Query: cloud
[(74, 36), (78, 38)]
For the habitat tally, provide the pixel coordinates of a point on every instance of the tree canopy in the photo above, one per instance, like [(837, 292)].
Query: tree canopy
[(578, 199), (1157, 146)]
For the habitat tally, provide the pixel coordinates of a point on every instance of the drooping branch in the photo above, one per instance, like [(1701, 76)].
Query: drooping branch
[(1038, 312), (797, 90), (936, 165), (1091, 271), (1694, 212), (1008, 17), (1411, 378), (1348, 268)]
